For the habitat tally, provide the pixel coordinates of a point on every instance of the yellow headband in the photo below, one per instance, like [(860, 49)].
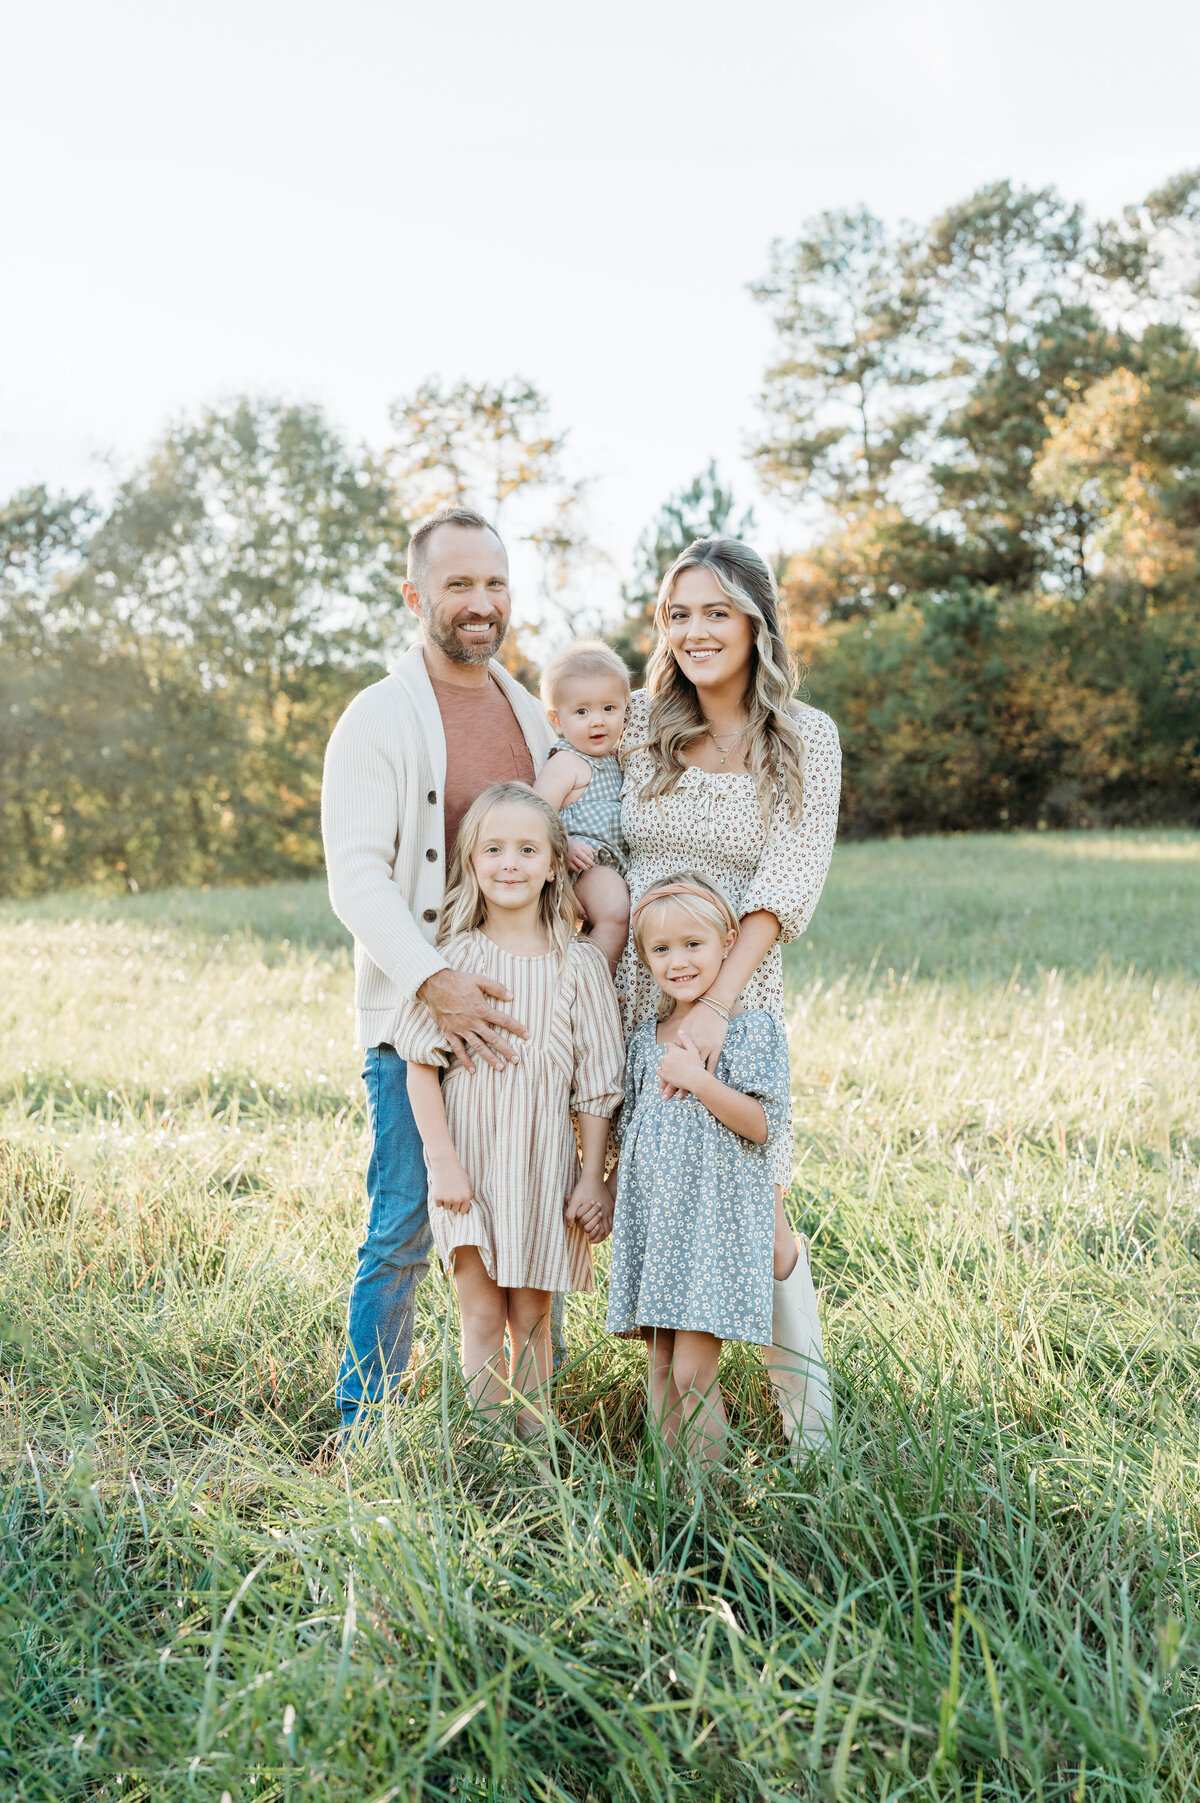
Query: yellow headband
[(664, 890)]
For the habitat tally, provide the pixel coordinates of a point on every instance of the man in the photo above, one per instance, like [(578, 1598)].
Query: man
[(405, 762)]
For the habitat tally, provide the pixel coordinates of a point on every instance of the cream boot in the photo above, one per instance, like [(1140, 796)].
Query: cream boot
[(796, 1360)]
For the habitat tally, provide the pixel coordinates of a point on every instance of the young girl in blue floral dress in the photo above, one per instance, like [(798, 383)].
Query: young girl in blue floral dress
[(695, 1206)]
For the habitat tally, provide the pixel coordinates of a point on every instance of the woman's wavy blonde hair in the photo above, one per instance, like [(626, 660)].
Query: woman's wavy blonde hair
[(465, 908), (774, 750)]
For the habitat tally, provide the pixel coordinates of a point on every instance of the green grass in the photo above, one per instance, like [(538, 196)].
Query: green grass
[(989, 1590)]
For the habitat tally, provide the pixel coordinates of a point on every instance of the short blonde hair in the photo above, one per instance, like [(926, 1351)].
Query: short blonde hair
[(585, 657), (464, 908), (703, 902)]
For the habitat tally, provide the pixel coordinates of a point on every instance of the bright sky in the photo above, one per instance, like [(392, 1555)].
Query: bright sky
[(335, 200)]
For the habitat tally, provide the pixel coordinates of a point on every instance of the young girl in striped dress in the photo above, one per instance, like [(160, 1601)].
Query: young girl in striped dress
[(513, 1205)]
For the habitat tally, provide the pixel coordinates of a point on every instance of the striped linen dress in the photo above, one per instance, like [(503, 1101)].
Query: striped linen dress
[(512, 1128)]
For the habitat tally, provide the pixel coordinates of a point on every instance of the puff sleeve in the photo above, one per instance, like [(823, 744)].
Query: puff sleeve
[(599, 1051), (795, 859), (415, 1033), (417, 1037), (756, 1063)]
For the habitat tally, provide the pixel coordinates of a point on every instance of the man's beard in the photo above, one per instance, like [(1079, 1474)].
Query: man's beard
[(447, 641)]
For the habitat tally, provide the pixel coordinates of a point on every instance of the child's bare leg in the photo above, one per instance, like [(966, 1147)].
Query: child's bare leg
[(695, 1378), (482, 1306), (529, 1333), (663, 1396), (604, 897)]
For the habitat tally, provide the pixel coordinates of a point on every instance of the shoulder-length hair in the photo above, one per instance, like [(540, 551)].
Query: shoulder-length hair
[(774, 749), (465, 908)]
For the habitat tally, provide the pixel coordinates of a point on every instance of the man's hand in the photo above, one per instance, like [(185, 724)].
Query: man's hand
[(681, 1066), (590, 1206), (580, 856), (449, 1185), (458, 1002)]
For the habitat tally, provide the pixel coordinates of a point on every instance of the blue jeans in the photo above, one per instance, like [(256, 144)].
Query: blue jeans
[(394, 1256)]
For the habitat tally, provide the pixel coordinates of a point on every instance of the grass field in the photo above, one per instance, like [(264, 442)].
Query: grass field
[(990, 1590)]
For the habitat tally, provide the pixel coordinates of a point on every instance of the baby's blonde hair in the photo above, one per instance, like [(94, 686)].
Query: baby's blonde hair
[(709, 906), (584, 657), (465, 906)]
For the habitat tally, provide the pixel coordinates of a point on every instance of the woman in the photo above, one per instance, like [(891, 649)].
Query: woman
[(726, 774)]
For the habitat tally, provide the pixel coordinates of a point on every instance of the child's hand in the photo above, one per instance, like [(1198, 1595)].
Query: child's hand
[(681, 1067), (590, 1206), (580, 856), (449, 1186), (707, 1034)]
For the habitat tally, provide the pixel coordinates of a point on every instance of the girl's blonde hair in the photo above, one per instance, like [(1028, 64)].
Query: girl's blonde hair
[(691, 895), (774, 750), (465, 908), (585, 657)]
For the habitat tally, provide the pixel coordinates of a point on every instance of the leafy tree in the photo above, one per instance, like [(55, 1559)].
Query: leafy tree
[(181, 666), (986, 712), (1017, 333), (1126, 455), (1003, 261), (1010, 532), (869, 563), (1147, 261), (42, 537), (480, 443), (492, 446), (256, 539), (847, 301), (704, 509), (988, 314)]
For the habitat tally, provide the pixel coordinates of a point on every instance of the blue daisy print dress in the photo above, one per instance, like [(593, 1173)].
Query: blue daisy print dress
[(695, 1214)]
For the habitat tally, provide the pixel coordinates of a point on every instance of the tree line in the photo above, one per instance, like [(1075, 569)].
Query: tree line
[(987, 432)]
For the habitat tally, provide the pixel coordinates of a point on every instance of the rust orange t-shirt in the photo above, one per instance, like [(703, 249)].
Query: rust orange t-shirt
[(484, 744)]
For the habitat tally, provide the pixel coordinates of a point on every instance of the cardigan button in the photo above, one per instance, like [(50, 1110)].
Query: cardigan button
[(431, 855), (432, 797), (429, 914)]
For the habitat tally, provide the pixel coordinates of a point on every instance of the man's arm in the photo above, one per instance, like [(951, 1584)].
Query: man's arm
[(359, 827)]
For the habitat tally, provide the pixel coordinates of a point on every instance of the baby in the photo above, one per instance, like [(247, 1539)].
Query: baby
[(585, 691)]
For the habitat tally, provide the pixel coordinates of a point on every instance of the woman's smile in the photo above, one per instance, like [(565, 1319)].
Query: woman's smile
[(712, 641)]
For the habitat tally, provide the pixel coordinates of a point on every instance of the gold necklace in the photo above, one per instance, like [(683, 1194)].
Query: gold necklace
[(724, 756)]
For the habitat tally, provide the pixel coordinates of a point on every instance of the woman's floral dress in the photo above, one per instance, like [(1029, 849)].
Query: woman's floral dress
[(712, 823)]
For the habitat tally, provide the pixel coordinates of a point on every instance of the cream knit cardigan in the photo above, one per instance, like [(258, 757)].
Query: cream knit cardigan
[(384, 831)]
